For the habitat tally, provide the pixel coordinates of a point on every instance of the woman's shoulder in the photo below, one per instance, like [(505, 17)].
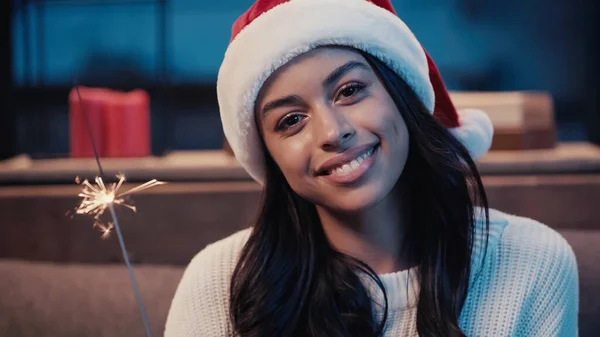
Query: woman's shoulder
[(525, 235), (200, 304), (522, 242), (529, 265), (222, 253), (213, 266)]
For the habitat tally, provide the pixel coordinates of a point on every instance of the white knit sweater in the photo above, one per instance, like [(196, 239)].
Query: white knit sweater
[(528, 287)]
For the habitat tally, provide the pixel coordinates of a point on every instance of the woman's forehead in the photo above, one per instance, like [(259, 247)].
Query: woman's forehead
[(311, 67)]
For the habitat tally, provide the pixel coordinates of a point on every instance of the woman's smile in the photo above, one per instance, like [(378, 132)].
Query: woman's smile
[(352, 168)]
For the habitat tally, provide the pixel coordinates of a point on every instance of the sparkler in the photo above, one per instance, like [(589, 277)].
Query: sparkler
[(98, 197)]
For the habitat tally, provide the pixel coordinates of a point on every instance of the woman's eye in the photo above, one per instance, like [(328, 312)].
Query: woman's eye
[(349, 90), (289, 121)]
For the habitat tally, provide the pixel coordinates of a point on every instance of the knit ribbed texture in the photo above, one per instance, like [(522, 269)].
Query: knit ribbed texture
[(527, 286)]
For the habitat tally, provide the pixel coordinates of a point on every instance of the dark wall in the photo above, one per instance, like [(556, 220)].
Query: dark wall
[(592, 31), (7, 141), (478, 44)]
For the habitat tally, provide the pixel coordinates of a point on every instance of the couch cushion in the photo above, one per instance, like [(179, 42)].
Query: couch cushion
[(60, 300), (54, 300)]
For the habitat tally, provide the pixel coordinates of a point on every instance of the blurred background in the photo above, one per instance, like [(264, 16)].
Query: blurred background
[(174, 49), (59, 278)]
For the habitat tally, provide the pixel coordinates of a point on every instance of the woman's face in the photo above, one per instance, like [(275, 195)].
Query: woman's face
[(333, 130)]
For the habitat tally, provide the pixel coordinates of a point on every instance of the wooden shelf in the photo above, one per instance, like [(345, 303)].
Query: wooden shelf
[(567, 158), (559, 187), (175, 221)]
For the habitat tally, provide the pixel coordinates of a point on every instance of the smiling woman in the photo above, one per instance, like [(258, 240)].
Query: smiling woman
[(340, 114), (374, 220)]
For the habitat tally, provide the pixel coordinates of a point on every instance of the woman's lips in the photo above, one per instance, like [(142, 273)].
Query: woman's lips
[(351, 173)]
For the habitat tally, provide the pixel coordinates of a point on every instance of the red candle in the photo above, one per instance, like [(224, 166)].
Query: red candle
[(119, 123), (92, 106), (127, 124)]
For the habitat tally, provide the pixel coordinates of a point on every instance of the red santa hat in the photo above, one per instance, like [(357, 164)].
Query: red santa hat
[(273, 32)]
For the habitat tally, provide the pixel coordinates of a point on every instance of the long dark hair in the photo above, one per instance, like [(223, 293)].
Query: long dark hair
[(289, 280)]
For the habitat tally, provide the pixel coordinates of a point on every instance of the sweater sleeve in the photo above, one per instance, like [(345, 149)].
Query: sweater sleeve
[(200, 307), (554, 300)]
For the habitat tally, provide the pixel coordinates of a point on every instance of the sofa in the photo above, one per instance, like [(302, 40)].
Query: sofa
[(96, 300)]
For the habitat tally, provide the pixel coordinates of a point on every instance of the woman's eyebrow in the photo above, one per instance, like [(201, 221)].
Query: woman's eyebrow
[(291, 100), (342, 70)]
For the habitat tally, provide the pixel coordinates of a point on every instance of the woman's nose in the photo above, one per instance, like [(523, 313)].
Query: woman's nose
[(333, 130)]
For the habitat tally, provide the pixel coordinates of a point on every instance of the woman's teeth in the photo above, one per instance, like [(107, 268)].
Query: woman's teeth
[(352, 165)]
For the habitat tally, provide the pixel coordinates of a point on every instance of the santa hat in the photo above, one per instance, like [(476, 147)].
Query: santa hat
[(273, 32)]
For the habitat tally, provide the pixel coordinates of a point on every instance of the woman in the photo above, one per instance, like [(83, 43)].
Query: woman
[(374, 220)]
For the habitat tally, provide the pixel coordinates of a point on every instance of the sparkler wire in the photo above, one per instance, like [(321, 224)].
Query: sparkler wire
[(136, 289), (89, 129)]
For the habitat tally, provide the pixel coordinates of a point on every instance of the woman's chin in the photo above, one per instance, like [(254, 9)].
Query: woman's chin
[(353, 202)]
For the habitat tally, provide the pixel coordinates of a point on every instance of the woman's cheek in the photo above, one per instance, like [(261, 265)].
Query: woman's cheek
[(293, 157)]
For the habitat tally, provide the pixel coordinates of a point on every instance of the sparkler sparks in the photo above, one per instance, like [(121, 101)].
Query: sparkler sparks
[(99, 196), (105, 229)]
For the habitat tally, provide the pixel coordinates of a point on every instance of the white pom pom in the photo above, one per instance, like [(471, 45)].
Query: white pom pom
[(475, 131)]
